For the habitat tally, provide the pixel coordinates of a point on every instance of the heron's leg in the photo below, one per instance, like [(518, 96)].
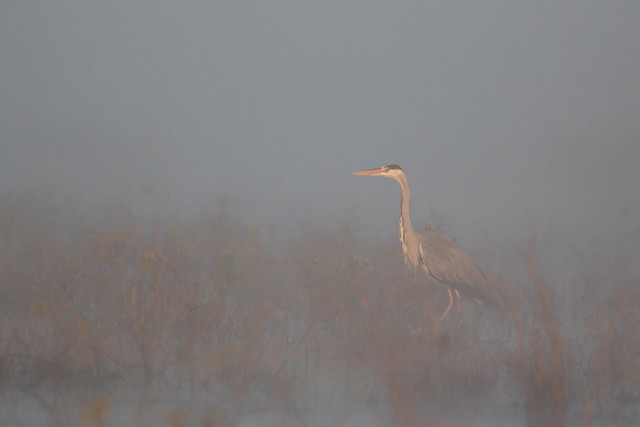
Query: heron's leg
[(446, 311), (458, 303)]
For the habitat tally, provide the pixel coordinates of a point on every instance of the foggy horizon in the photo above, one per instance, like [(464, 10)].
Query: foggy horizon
[(501, 116)]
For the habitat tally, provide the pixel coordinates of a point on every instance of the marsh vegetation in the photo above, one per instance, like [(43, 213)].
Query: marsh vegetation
[(210, 322)]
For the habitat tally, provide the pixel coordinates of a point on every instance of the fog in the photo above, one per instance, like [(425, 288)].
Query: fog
[(510, 119), (501, 114)]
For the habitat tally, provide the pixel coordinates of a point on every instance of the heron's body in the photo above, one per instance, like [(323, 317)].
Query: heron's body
[(448, 264), (440, 259)]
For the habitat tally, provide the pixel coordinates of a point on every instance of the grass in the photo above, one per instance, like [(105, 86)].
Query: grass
[(214, 312)]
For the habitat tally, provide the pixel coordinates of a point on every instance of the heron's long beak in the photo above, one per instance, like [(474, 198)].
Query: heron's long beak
[(369, 172)]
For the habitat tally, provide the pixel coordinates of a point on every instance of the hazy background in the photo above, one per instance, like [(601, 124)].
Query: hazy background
[(503, 114), (272, 277)]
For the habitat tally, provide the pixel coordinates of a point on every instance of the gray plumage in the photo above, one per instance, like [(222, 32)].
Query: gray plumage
[(439, 258), (448, 264)]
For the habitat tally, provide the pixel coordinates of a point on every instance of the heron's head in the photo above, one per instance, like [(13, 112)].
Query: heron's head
[(389, 171)]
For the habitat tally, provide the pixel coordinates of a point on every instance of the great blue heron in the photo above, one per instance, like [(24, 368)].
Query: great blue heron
[(439, 258)]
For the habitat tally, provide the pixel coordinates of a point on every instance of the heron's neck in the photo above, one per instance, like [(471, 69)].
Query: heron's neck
[(408, 236)]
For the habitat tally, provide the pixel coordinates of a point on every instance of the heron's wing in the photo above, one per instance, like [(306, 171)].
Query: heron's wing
[(450, 265)]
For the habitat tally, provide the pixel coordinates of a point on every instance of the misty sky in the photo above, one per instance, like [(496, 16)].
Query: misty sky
[(502, 113)]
